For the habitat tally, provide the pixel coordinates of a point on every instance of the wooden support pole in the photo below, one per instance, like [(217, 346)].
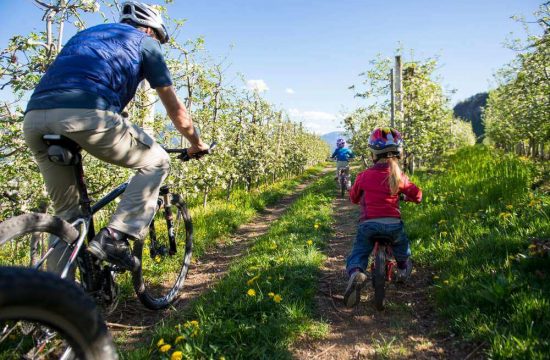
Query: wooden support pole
[(392, 90), (399, 91)]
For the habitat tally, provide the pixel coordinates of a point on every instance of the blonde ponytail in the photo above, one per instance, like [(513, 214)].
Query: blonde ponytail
[(394, 179)]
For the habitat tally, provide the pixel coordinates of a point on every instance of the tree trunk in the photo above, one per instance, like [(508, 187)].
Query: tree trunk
[(205, 198), (229, 188)]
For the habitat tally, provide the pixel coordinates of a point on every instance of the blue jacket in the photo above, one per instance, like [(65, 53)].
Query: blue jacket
[(104, 60), (343, 154)]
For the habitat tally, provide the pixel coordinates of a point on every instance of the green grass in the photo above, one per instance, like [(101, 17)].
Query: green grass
[(476, 228), (211, 225), (265, 301), (221, 217)]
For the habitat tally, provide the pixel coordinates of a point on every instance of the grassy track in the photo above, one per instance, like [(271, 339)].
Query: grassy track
[(221, 217), (478, 227), (266, 299), (211, 224)]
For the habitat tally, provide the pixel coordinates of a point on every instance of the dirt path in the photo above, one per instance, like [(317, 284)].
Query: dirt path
[(407, 329), (131, 319)]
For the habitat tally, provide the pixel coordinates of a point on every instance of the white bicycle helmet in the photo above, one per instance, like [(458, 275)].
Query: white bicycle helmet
[(144, 15)]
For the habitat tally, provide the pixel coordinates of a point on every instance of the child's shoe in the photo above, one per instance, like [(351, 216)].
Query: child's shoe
[(356, 283), (402, 275)]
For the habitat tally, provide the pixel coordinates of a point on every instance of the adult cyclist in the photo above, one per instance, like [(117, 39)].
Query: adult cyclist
[(342, 155), (81, 96)]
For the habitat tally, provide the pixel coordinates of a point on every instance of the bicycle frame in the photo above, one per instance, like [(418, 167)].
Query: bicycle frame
[(390, 262)]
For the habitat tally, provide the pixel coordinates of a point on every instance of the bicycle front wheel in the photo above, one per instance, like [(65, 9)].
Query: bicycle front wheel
[(45, 317), (379, 278), (165, 254)]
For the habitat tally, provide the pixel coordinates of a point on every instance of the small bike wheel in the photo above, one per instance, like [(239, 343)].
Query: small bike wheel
[(342, 186), (379, 279), (45, 317), (165, 254)]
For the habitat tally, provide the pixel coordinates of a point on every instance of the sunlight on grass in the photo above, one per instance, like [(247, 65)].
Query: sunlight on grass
[(265, 301), (476, 227)]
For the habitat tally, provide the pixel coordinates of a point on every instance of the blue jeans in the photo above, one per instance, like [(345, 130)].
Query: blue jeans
[(362, 246)]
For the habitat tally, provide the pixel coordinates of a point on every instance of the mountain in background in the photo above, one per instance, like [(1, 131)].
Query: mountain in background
[(331, 138), (471, 110)]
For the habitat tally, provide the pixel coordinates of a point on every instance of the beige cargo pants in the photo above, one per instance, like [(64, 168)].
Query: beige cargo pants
[(111, 138)]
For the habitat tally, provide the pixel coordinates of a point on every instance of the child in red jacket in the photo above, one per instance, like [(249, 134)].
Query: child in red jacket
[(377, 190)]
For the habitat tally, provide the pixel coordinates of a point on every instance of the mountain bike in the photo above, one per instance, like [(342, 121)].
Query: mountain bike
[(382, 267), (164, 255), (45, 317)]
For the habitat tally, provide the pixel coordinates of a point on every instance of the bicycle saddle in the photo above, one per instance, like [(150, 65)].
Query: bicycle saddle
[(382, 239), (62, 150)]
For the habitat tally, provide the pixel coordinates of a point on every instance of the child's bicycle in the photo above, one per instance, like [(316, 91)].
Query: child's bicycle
[(344, 180), (164, 256), (45, 317), (382, 267)]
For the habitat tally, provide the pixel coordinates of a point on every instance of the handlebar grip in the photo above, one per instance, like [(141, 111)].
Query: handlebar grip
[(184, 156)]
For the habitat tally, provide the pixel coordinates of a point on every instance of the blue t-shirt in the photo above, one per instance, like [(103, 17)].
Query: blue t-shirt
[(154, 70), (343, 154)]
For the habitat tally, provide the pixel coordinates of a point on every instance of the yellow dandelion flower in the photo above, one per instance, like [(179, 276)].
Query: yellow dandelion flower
[(271, 294), (222, 358), (176, 355), (192, 323), (179, 339), (273, 246), (316, 226), (251, 292), (310, 242), (164, 348), (442, 221), (509, 206), (157, 258), (505, 215), (160, 342), (446, 282), (277, 298)]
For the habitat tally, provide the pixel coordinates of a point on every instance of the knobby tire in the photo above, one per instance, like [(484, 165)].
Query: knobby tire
[(170, 289), (40, 299)]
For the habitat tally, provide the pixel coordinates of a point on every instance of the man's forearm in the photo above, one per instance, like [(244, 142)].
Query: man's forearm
[(182, 121)]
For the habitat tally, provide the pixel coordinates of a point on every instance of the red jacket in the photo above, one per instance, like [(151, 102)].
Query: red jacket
[(372, 190)]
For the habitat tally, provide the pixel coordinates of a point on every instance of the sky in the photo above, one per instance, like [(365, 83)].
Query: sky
[(304, 54)]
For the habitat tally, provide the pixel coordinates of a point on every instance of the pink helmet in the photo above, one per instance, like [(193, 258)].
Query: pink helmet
[(385, 140), (340, 143)]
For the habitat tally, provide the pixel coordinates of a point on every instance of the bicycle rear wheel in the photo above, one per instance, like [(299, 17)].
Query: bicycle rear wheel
[(165, 254), (379, 278), (45, 317)]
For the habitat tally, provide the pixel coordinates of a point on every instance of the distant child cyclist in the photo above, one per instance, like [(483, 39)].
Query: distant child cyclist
[(378, 189), (342, 155)]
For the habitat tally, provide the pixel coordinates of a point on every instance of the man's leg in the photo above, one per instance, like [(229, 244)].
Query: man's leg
[(121, 143), (59, 180)]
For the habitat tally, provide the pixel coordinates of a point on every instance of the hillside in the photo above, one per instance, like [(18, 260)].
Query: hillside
[(471, 110), (331, 138)]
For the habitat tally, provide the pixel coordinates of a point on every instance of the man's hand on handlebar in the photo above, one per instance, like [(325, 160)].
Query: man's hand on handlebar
[(193, 149)]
